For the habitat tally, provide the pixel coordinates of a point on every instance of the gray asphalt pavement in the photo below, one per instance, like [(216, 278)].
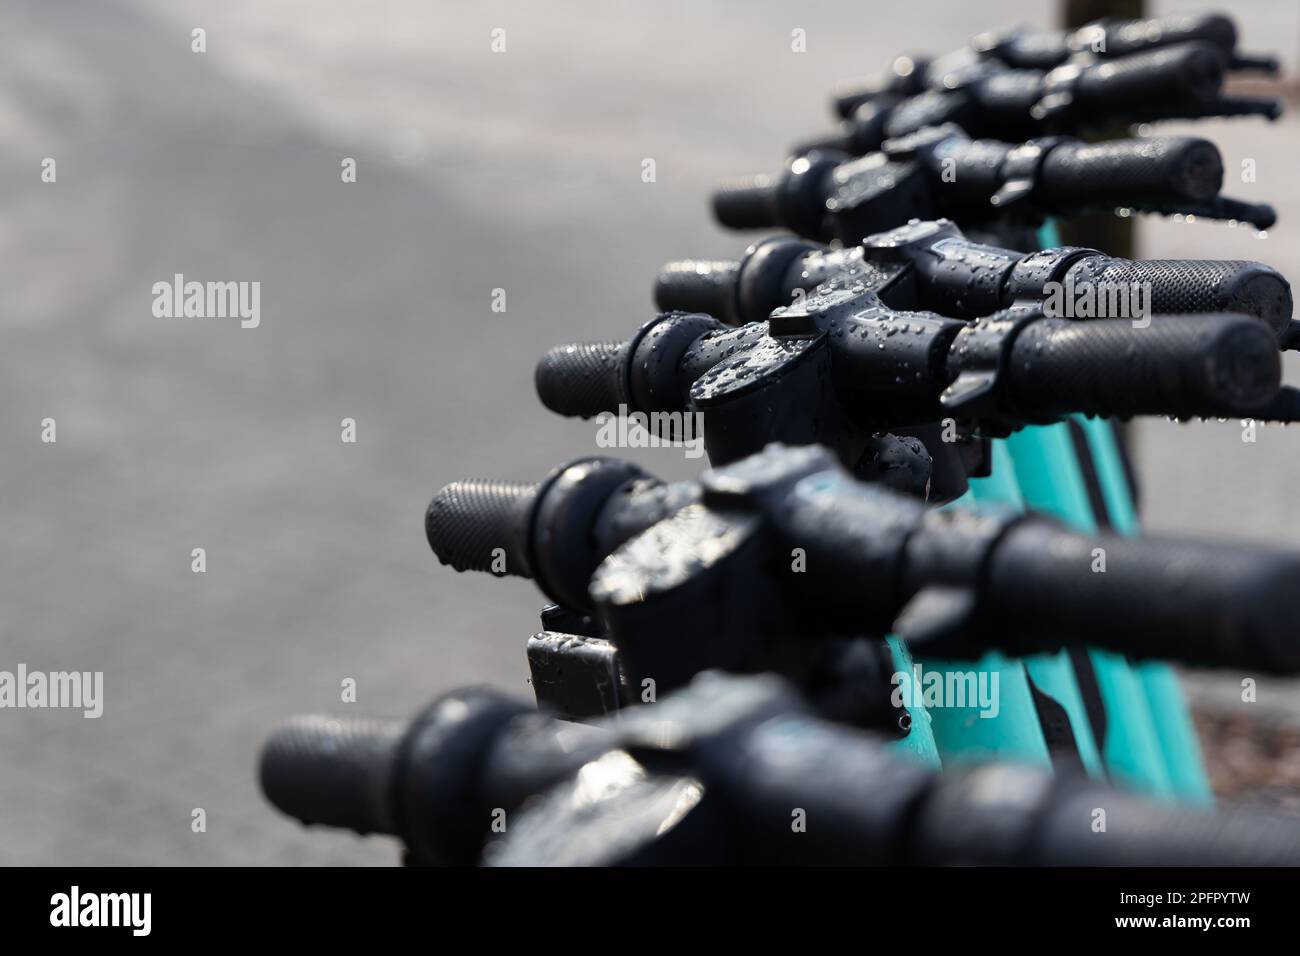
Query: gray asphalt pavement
[(477, 171)]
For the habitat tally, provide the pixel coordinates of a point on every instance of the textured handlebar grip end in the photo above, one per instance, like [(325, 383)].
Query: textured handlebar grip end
[(1195, 169), (1255, 63), (1203, 603), (1180, 366), (1197, 285), (333, 771), (1247, 366), (584, 379), (1152, 82), (1131, 172), (1145, 833), (1261, 291), (698, 285), (747, 202), (482, 526)]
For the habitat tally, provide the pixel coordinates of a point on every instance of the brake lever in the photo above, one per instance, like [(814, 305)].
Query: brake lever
[(1290, 341), (1283, 408), (1267, 106), (1255, 62), (1259, 215)]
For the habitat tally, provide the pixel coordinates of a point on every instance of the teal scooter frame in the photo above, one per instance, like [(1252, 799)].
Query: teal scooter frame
[(1093, 709)]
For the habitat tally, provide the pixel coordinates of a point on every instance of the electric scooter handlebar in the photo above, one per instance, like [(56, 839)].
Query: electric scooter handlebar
[(1196, 285), (557, 530), (1180, 366), (1109, 39), (1130, 172), (954, 276), (710, 774), (940, 172), (1177, 82), (582, 380), (891, 370), (1043, 50), (1214, 602), (601, 535)]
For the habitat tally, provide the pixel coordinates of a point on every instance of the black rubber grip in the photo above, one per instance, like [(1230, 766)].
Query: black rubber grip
[(698, 285), (1180, 366), (333, 771), (1204, 603), (1129, 172), (1150, 83), (1142, 833), (1196, 285), (876, 808), (747, 202), (1005, 814), (1132, 36), (584, 379), (477, 525)]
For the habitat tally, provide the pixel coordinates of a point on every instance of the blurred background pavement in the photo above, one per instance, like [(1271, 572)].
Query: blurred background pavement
[(476, 171)]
